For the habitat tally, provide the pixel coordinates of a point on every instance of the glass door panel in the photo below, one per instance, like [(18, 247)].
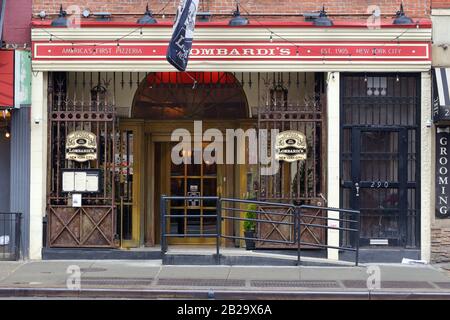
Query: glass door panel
[(193, 180)]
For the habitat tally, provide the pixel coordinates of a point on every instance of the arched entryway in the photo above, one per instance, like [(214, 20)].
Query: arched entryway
[(163, 102), (193, 96)]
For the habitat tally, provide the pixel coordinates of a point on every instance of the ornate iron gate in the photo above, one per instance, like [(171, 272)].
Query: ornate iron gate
[(299, 182), (92, 224)]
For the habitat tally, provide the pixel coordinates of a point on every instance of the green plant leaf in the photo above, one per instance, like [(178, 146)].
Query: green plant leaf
[(250, 225)]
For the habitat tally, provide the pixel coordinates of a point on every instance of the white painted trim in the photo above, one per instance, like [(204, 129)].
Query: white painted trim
[(38, 161), (440, 12), (234, 66), (427, 164), (333, 159)]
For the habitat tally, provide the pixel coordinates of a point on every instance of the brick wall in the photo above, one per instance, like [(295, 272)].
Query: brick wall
[(343, 8), (440, 4)]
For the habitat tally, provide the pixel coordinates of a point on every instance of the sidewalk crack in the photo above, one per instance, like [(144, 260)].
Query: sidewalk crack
[(155, 280), (229, 272), (13, 271)]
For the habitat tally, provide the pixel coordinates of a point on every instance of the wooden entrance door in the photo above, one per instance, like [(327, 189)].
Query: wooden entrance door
[(187, 180)]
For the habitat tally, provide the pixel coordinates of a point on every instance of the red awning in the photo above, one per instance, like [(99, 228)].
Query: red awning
[(6, 78), (185, 78)]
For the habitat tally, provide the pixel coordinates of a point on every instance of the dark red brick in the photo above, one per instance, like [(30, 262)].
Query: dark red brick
[(341, 8)]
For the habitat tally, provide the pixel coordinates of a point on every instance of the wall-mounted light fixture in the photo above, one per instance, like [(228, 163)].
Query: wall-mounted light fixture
[(401, 17), (323, 20), (147, 18), (42, 14), (86, 13), (61, 21), (237, 19)]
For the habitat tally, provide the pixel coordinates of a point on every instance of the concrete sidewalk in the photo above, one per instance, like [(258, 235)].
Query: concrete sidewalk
[(150, 279)]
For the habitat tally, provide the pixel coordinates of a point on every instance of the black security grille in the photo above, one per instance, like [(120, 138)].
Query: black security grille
[(380, 165)]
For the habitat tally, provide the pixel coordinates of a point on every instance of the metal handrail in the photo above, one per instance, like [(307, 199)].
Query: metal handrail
[(258, 220), (17, 220), (308, 206), (266, 203), (189, 198), (297, 214), (253, 211)]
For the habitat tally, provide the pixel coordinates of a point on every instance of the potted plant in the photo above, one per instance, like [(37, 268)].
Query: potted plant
[(250, 226)]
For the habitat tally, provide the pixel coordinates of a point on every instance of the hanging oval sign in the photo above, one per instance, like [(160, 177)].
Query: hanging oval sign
[(290, 146), (81, 146)]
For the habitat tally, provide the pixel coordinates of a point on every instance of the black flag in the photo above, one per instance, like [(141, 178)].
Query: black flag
[(183, 33)]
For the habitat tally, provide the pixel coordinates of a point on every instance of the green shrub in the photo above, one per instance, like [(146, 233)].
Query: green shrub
[(250, 225)]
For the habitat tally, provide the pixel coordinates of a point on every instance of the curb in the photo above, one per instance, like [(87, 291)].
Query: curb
[(217, 294)]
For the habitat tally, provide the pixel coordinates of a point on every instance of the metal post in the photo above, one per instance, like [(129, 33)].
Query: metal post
[(358, 226), (18, 223), (218, 228), (2, 248), (299, 233), (162, 208), (121, 221)]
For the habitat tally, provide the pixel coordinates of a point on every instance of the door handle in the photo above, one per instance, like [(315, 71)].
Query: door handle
[(357, 189), (323, 198)]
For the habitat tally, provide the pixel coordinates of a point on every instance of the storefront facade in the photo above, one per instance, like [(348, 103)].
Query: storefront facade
[(346, 87)]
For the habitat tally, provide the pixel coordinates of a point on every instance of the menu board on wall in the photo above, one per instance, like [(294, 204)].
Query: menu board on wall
[(81, 180), (92, 182), (442, 172), (68, 181)]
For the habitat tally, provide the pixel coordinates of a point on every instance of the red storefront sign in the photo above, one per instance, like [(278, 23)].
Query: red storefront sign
[(409, 51), (6, 78)]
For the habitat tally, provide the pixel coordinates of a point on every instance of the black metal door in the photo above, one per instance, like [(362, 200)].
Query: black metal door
[(379, 184), (380, 146)]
